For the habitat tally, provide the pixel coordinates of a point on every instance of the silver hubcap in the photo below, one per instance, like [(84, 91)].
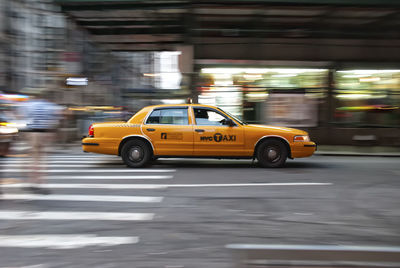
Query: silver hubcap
[(135, 154), (272, 154)]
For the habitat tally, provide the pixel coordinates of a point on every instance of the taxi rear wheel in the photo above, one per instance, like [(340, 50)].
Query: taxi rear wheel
[(136, 153), (272, 153)]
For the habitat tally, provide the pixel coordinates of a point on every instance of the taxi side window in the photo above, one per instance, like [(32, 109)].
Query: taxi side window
[(154, 117), (176, 116), (205, 117)]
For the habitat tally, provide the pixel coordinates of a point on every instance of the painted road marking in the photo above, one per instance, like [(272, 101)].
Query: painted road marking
[(250, 184), (133, 177), (81, 157), (90, 171), (161, 186), (88, 198), (89, 186), (64, 241), (24, 162), (64, 166), (66, 215), (91, 177)]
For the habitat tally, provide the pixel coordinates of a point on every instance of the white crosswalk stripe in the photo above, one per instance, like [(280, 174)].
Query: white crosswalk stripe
[(95, 170), (60, 169), (20, 162), (111, 177), (76, 156), (62, 241), (76, 215), (59, 165), (88, 198), (89, 186)]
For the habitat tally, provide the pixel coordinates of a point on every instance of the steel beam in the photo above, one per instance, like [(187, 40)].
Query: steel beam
[(140, 38), (101, 6), (141, 47), (281, 2), (115, 23), (141, 31)]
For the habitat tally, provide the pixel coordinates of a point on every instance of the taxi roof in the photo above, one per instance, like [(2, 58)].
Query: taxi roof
[(181, 105)]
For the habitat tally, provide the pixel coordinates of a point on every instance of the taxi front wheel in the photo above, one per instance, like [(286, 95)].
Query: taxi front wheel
[(135, 153), (272, 153)]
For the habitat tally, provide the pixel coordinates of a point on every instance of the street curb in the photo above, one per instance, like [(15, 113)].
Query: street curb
[(323, 153), (357, 154)]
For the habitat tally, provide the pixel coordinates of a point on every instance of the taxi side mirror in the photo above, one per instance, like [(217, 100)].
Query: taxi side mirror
[(228, 122)]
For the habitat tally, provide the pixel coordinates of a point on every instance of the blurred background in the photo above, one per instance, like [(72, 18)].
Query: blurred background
[(330, 67)]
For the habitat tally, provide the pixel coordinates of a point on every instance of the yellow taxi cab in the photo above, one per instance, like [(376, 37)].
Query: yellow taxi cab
[(195, 130)]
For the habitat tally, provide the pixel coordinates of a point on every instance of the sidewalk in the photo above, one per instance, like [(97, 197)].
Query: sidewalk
[(340, 150)]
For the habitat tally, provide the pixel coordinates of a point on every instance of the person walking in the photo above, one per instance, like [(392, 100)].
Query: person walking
[(43, 118)]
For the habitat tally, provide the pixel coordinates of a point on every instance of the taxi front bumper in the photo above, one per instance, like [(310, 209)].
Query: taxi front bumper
[(303, 149)]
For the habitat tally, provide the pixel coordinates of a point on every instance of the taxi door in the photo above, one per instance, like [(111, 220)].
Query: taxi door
[(212, 135), (170, 131)]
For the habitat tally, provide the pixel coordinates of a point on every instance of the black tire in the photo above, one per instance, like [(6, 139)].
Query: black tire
[(136, 153), (272, 153)]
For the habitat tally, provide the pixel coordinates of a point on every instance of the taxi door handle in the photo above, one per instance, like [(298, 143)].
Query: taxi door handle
[(199, 130), (150, 129)]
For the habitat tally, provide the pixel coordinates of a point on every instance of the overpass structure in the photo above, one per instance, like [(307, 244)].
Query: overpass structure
[(336, 30)]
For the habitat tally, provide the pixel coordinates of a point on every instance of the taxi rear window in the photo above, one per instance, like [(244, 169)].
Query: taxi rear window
[(176, 116)]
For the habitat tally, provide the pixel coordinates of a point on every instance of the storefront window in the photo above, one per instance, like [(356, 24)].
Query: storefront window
[(367, 98), (284, 96), (150, 70)]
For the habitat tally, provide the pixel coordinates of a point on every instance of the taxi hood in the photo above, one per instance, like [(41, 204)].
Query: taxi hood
[(276, 129)]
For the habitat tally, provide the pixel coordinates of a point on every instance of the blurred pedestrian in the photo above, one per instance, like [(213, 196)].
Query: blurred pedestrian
[(1, 171), (43, 119), (7, 135), (66, 121)]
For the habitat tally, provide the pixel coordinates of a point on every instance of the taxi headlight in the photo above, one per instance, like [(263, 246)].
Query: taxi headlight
[(301, 138)]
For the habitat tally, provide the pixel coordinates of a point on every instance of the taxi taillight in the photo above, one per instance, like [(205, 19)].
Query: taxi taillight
[(91, 131)]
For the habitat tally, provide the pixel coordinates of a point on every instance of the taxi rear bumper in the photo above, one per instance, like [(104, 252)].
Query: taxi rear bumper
[(100, 146), (90, 143)]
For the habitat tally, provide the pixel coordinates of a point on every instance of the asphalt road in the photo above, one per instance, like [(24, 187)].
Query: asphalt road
[(181, 213)]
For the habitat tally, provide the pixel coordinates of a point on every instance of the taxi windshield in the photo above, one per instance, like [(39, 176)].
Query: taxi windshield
[(234, 117)]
